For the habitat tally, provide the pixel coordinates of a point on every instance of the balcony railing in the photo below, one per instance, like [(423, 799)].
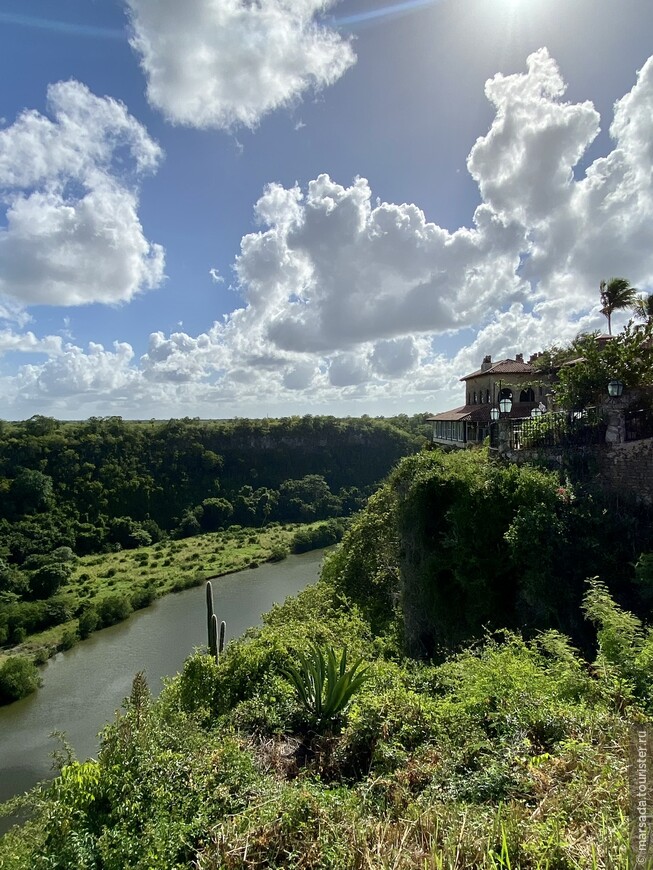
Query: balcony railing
[(639, 424), (559, 429)]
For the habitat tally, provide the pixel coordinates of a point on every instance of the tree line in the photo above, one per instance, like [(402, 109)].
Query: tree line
[(76, 488)]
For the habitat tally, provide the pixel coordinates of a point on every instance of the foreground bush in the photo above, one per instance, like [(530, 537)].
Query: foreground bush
[(509, 753), (500, 750)]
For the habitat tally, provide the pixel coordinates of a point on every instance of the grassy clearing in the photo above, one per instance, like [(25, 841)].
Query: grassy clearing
[(141, 575)]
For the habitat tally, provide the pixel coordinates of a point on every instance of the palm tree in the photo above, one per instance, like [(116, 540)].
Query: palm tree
[(643, 308), (616, 294)]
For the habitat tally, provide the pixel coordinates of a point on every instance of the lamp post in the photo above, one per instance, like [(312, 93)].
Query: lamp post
[(505, 405), (616, 429)]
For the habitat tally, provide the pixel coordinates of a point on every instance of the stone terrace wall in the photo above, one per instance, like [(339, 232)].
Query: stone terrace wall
[(621, 468), (628, 469)]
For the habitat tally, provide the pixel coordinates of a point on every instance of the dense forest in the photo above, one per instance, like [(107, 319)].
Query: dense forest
[(107, 481), (422, 706), (72, 489)]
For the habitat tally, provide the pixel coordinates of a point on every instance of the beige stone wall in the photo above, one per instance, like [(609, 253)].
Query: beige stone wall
[(516, 383)]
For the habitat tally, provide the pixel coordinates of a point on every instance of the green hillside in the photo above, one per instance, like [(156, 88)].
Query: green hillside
[(478, 737)]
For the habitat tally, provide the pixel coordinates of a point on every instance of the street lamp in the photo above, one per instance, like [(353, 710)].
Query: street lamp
[(536, 412), (494, 414), (505, 405), (615, 388)]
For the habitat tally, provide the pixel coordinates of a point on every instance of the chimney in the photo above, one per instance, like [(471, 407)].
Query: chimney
[(519, 357), (487, 363)]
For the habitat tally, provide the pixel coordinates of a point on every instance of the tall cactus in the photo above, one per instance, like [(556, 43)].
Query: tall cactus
[(209, 619), (215, 635), (214, 649)]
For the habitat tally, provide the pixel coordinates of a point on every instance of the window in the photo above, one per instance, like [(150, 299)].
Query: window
[(474, 396), (527, 395)]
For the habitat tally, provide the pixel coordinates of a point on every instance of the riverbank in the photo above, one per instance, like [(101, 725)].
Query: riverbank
[(508, 754), (83, 687), (105, 589)]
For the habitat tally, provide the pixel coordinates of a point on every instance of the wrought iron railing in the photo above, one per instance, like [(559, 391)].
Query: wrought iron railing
[(558, 429), (568, 429), (639, 424)]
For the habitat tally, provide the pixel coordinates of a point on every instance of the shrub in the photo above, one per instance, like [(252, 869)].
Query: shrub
[(18, 678), (63, 554), (278, 553), (46, 580), (323, 535), (57, 610), (143, 597), (113, 608), (68, 639), (41, 655)]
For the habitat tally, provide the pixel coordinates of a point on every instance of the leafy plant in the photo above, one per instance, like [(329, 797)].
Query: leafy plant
[(626, 357), (18, 678), (324, 686)]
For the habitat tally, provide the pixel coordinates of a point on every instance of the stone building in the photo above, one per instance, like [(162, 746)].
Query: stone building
[(509, 378)]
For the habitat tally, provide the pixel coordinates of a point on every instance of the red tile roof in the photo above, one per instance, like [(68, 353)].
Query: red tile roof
[(503, 367), (481, 413)]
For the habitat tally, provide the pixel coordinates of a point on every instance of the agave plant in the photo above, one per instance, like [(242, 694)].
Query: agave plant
[(323, 684)]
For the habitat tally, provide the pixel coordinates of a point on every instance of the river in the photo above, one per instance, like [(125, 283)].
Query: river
[(85, 685)]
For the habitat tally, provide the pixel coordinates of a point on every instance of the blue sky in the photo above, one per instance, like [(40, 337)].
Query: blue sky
[(219, 208)]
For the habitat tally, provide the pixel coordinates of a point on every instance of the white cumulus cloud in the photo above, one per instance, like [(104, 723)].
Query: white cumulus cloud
[(346, 297), (221, 63), (84, 375), (69, 185)]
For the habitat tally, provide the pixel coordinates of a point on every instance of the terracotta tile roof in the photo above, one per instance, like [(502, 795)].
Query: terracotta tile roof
[(481, 413), (503, 367), (455, 414)]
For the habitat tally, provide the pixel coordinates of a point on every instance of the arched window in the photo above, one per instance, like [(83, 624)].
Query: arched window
[(469, 398), (505, 393), (474, 396), (487, 397), (527, 395)]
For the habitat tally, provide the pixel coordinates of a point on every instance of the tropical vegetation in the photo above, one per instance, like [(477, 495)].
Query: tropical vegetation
[(99, 591), (94, 514), (616, 294), (643, 308), (490, 731), (583, 369)]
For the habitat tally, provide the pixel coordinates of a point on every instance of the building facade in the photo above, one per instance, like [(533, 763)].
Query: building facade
[(511, 379)]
